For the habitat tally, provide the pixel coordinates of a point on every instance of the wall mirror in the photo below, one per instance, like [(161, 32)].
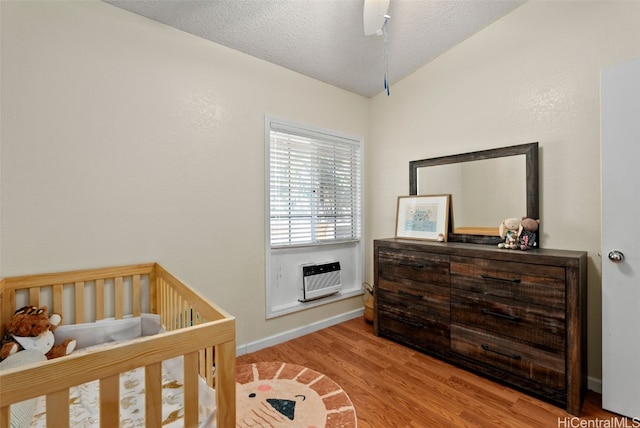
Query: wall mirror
[(486, 187)]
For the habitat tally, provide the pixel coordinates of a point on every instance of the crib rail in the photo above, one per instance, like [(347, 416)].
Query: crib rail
[(83, 295), (198, 330)]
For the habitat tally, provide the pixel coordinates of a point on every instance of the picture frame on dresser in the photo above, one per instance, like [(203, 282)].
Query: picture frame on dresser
[(423, 217)]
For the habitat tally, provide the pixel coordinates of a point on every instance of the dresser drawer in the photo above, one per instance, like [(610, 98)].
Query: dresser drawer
[(412, 329), (543, 326), (533, 283), (511, 356), (413, 298), (426, 300), (417, 266)]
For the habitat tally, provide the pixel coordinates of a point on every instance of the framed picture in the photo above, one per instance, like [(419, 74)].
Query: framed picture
[(423, 217)]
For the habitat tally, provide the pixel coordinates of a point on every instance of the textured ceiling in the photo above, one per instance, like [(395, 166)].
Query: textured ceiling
[(324, 39)]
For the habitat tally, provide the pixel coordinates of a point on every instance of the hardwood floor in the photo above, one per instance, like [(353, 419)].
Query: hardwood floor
[(394, 386)]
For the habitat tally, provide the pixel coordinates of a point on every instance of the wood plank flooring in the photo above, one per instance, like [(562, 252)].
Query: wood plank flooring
[(394, 386)]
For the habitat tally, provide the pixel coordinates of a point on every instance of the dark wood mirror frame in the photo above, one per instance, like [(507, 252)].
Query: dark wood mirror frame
[(530, 151)]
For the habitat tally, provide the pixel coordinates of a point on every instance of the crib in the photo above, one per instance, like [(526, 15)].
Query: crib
[(196, 329)]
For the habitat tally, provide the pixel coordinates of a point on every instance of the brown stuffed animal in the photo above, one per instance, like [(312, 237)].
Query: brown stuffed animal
[(528, 233), (31, 328)]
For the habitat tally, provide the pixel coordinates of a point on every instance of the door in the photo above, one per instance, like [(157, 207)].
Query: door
[(620, 157)]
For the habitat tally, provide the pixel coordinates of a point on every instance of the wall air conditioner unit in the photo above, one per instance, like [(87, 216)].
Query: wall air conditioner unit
[(319, 280)]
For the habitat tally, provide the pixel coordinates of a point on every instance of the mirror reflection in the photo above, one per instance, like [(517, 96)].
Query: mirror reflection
[(483, 192)]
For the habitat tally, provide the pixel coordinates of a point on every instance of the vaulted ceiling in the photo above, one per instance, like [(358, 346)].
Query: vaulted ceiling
[(325, 39)]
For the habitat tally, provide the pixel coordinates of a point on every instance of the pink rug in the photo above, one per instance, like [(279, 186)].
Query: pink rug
[(275, 394)]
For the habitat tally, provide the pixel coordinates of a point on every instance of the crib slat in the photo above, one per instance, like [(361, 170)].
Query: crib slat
[(60, 402), (160, 303), (202, 367), (99, 299), (79, 302), (119, 298), (57, 300), (171, 308), (153, 395), (208, 372), (201, 372), (177, 310), (183, 315), (8, 306), (110, 401), (191, 390), (137, 296), (4, 416), (34, 296), (153, 289)]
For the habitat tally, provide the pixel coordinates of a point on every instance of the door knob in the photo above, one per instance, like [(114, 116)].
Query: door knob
[(616, 256)]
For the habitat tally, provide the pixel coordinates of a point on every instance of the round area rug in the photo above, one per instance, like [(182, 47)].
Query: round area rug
[(275, 394)]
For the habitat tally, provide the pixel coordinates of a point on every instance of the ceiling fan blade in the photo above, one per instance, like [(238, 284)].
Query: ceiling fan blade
[(374, 12)]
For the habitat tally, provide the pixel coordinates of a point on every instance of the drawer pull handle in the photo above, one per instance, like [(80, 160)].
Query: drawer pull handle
[(413, 264), (406, 293), (504, 354), (499, 315), (514, 280), (411, 323)]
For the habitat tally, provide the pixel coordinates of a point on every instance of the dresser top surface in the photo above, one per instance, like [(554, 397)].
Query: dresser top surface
[(539, 256)]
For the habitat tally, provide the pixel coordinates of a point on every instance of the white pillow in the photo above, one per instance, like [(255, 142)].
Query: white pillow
[(22, 412)]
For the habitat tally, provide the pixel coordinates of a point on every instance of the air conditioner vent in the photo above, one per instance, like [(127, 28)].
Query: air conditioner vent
[(319, 280)]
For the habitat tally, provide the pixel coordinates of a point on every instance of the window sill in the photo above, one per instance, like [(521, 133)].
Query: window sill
[(289, 308)]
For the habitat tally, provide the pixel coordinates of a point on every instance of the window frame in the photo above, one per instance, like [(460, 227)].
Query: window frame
[(283, 273), (332, 137)]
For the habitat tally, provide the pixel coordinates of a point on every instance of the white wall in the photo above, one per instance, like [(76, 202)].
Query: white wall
[(127, 141), (532, 76)]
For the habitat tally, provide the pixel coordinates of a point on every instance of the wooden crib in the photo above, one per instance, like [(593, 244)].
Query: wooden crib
[(196, 329)]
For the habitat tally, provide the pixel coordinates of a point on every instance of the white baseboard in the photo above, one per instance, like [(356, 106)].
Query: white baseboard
[(594, 384), (297, 332)]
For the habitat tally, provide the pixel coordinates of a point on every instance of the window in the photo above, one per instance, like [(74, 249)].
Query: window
[(313, 206), (314, 195)]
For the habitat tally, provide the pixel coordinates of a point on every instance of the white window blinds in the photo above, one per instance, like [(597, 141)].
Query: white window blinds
[(315, 186)]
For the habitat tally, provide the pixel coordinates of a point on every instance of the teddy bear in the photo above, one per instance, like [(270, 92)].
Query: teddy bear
[(509, 231), (31, 328), (528, 234)]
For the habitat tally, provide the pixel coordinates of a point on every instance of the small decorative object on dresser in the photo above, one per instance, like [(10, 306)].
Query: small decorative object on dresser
[(528, 235), (509, 231), (518, 317)]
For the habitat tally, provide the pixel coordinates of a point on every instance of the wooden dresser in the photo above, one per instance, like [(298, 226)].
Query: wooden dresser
[(518, 317)]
